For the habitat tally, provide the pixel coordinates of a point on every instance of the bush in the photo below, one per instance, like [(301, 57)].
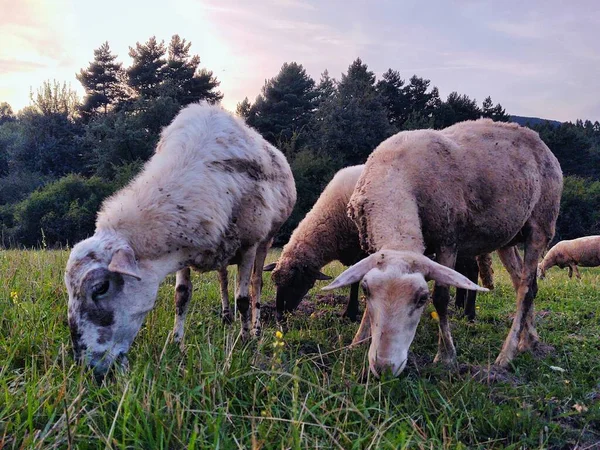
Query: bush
[(63, 212), (579, 209)]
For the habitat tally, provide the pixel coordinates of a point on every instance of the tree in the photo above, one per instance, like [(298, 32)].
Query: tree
[(325, 90), (146, 73), (243, 108), (456, 108), (102, 82), (60, 213), (350, 125), (496, 113), (183, 80), (54, 98), (394, 97), (6, 113), (285, 104)]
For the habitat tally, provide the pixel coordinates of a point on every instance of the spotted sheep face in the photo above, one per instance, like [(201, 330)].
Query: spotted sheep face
[(109, 297), (396, 291)]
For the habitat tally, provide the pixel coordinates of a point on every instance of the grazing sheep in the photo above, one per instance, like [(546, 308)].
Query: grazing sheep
[(473, 269), (326, 234), (584, 252), (472, 188), (214, 193)]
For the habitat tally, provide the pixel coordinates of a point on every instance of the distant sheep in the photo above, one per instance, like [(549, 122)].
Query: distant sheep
[(326, 234), (583, 252), (472, 188), (214, 193)]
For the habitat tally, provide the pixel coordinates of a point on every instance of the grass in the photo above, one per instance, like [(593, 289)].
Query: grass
[(305, 390)]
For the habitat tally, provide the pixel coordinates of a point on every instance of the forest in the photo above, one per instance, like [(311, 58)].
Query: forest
[(61, 156)]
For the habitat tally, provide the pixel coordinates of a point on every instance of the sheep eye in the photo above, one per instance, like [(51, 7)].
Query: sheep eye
[(100, 289), (421, 298)]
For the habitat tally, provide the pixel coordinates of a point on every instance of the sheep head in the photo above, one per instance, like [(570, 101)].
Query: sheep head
[(109, 296), (293, 281), (396, 291)]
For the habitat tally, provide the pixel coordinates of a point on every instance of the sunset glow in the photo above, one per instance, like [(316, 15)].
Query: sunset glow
[(538, 63)]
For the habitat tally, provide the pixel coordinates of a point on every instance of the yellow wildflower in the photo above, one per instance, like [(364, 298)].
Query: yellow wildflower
[(434, 316), (279, 334)]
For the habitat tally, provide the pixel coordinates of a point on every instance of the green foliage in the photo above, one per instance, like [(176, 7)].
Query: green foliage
[(496, 113), (184, 81), (457, 108), (354, 121), (146, 73), (285, 104), (61, 212), (6, 113), (312, 173), (579, 209), (45, 141)]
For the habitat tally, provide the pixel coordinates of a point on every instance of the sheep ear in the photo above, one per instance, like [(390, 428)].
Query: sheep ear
[(123, 262), (321, 276), (269, 267), (443, 275), (354, 273)]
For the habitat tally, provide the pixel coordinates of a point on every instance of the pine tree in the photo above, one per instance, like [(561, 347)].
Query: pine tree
[(183, 80), (496, 113), (102, 81), (350, 125), (394, 97), (146, 74), (243, 108), (285, 104), (326, 88)]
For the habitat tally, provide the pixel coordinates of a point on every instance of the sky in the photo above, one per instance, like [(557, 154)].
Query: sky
[(537, 58)]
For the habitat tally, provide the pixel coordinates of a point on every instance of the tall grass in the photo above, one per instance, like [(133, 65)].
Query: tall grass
[(306, 389)]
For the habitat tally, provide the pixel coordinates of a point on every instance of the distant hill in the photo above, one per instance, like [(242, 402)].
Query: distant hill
[(522, 120)]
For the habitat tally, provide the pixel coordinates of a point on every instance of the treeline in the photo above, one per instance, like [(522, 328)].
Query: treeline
[(59, 158)]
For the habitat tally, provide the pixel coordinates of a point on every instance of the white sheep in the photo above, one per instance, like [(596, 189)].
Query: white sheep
[(326, 234), (583, 252), (214, 193), (471, 188)]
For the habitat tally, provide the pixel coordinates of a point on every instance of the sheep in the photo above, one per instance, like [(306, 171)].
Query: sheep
[(584, 252), (472, 188), (214, 193), (326, 234)]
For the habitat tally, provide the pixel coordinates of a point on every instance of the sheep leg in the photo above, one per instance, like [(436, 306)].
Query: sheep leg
[(242, 294), (570, 271), (486, 271), (441, 296), (577, 274), (257, 283), (352, 306), (183, 293), (469, 268), (364, 329), (511, 260), (226, 315), (522, 335)]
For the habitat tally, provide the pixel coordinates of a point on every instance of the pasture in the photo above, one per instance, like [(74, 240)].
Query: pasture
[(304, 390)]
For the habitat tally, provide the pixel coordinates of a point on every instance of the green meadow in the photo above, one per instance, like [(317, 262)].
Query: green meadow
[(306, 389)]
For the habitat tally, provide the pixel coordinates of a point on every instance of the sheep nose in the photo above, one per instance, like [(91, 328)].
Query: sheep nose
[(382, 366)]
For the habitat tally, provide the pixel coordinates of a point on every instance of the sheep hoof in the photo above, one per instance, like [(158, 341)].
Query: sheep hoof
[(502, 361), (257, 332), (227, 317), (541, 350), (351, 316), (447, 359)]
